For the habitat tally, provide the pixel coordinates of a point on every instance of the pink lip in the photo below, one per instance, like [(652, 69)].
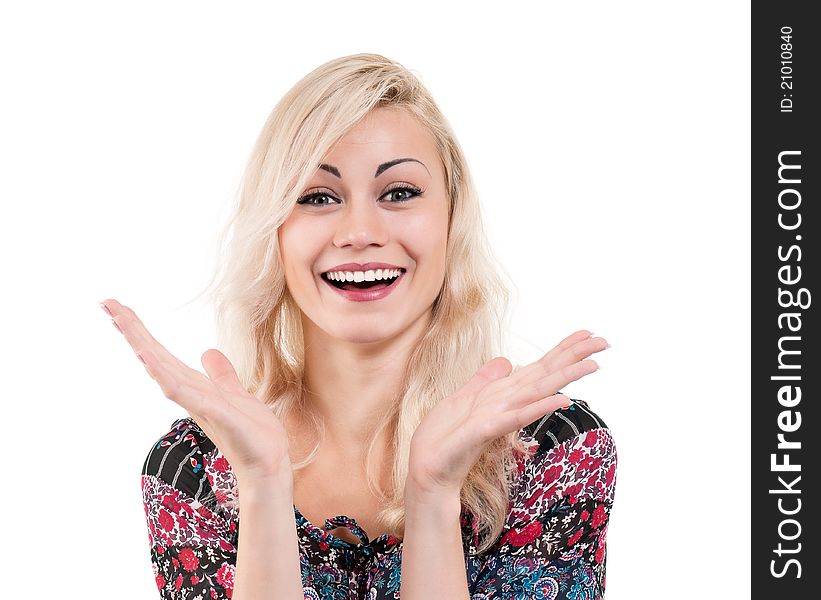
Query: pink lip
[(365, 295)]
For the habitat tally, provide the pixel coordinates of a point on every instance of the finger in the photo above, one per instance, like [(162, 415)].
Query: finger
[(220, 370), (577, 351), (494, 369), (568, 342), (536, 410), (137, 335), (513, 420), (171, 373), (539, 367), (550, 384), (194, 395), (571, 350)]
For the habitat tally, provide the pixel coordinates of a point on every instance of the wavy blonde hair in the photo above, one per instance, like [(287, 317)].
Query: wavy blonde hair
[(258, 322)]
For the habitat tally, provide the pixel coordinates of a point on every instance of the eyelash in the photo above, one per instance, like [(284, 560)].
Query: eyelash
[(414, 190)]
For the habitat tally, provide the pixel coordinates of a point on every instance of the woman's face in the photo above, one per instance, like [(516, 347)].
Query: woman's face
[(376, 208)]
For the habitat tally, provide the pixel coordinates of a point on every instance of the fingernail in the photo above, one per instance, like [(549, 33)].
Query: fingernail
[(113, 322), (607, 346), (105, 308)]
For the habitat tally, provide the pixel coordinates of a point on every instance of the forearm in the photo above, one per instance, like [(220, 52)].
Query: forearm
[(432, 553), (268, 551)]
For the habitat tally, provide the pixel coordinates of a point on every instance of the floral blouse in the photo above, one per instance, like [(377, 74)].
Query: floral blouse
[(553, 545)]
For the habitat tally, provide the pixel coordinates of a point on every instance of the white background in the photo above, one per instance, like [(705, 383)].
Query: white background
[(610, 144)]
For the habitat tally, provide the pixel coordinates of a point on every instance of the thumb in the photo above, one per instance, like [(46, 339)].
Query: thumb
[(495, 368), (221, 371)]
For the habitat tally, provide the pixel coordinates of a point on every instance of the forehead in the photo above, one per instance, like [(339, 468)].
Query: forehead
[(387, 130)]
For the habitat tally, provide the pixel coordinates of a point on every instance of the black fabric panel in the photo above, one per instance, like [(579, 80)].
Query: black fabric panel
[(583, 419), (172, 450)]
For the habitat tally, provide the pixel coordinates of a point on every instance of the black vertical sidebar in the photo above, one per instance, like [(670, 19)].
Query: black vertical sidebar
[(786, 420)]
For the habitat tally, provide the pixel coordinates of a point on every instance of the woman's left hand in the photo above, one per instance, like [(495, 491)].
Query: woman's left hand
[(452, 436)]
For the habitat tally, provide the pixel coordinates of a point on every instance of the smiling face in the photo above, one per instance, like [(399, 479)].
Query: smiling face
[(376, 208)]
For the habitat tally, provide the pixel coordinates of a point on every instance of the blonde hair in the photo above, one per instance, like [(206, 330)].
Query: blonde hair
[(258, 322)]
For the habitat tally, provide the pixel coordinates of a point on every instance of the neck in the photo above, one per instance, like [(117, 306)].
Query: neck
[(352, 385)]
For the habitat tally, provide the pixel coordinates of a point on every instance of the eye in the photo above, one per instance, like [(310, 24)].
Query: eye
[(316, 199), (402, 193)]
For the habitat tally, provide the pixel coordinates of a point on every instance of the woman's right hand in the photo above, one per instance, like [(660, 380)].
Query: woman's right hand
[(245, 430)]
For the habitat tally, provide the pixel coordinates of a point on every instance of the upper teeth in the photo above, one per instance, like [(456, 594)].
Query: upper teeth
[(363, 275)]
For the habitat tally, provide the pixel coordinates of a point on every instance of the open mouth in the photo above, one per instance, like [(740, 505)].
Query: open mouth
[(376, 281)]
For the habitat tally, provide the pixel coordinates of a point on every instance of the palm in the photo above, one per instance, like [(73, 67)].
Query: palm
[(245, 430), (452, 436)]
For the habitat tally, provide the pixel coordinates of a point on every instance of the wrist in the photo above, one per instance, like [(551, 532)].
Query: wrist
[(269, 489), (419, 484), (441, 501)]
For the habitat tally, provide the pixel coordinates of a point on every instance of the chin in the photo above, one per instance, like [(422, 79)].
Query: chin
[(366, 336), (366, 330)]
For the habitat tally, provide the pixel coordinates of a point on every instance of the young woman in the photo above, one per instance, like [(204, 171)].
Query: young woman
[(366, 430)]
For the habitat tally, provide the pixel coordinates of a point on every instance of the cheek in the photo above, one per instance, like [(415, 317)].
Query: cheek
[(426, 237), (296, 256), (438, 234)]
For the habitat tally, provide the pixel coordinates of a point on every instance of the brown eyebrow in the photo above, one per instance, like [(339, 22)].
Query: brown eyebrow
[(379, 170)]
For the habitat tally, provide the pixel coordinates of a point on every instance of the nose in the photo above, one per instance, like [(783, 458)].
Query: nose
[(361, 225)]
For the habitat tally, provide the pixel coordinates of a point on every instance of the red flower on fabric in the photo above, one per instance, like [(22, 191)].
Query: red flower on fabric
[(576, 456), (585, 515), (592, 438), (160, 582), (551, 474), (559, 453), (194, 580), (599, 516), (575, 537), (220, 465), (225, 577), (178, 583), (220, 495), (573, 491), (188, 559), (523, 536), (170, 503), (166, 520)]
